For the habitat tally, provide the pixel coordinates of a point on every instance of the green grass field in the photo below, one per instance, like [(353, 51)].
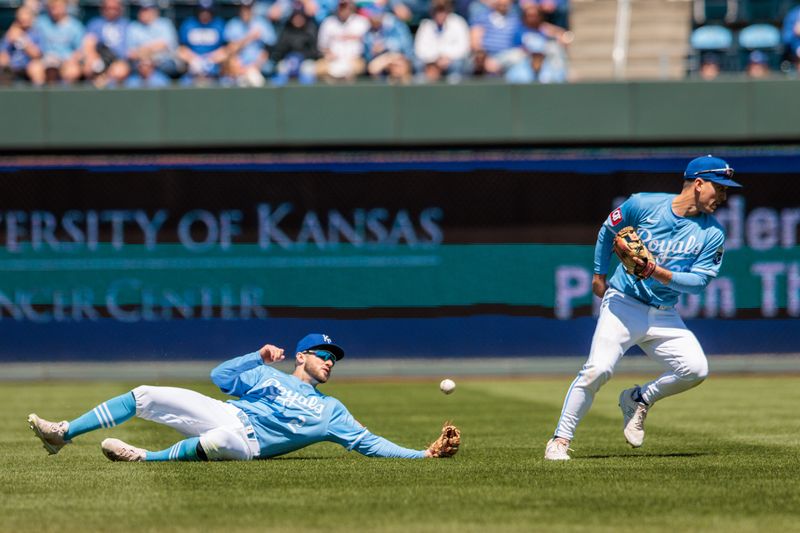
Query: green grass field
[(724, 456)]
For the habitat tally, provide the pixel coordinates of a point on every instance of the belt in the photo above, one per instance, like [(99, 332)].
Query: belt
[(662, 307)]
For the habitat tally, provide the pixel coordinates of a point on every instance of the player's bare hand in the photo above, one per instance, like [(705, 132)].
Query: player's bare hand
[(271, 354), (599, 285)]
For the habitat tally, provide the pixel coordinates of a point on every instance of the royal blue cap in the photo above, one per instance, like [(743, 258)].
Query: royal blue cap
[(710, 168), (205, 5), (148, 4), (319, 340)]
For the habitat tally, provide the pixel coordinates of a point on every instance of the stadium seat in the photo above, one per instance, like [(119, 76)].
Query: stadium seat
[(711, 37), (764, 38), (760, 36)]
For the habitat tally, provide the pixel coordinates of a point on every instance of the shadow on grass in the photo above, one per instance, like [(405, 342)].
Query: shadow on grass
[(628, 455)]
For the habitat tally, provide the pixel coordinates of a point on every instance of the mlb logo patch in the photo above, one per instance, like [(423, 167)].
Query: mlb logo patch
[(616, 216)]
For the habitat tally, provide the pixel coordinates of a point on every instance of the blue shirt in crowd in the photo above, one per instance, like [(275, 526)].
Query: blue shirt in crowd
[(60, 39), (392, 36), (236, 29), (18, 59), (499, 30), (288, 414), (160, 30), (112, 33), (202, 38)]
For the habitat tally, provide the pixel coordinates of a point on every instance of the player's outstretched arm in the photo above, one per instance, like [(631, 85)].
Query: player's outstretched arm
[(346, 431)]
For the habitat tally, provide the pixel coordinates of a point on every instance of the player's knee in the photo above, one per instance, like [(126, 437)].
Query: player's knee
[(595, 376), (144, 396), (222, 444), (697, 371)]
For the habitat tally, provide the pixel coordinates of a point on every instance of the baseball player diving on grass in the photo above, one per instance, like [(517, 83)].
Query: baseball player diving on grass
[(667, 244), (275, 413)]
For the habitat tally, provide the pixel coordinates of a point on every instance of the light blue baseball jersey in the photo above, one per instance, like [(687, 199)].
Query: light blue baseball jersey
[(288, 414), (680, 244)]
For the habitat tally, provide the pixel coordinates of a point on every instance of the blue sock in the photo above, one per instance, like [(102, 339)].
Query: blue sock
[(185, 450), (637, 396), (106, 415)]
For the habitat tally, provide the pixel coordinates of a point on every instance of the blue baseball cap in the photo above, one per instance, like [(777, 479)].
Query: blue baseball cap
[(710, 168), (319, 340)]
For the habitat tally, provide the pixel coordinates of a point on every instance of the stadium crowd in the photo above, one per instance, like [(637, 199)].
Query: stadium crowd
[(275, 41)]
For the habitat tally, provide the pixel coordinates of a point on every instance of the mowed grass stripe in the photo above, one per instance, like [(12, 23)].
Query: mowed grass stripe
[(721, 473)]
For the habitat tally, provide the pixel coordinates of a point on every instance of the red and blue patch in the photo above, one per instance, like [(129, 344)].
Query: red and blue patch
[(616, 216)]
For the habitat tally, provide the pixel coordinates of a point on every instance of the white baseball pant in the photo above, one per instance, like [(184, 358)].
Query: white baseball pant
[(660, 332), (225, 433)]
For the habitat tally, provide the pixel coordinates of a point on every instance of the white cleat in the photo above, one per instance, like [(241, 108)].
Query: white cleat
[(556, 450), (633, 416), (116, 450), (50, 433)]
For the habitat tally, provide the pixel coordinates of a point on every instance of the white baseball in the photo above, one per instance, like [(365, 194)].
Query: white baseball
[(447, 386)]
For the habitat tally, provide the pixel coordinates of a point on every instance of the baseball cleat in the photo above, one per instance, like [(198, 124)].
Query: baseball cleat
[(556, 450), (50, 433), (633, 415), (116, 450)]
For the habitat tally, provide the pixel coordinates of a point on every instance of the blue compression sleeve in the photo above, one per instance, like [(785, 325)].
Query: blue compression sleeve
[(372, 445), (690, 282), (602, 250)]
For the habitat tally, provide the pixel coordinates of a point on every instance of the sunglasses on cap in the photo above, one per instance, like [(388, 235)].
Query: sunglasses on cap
[(325, 355), (727, 172)]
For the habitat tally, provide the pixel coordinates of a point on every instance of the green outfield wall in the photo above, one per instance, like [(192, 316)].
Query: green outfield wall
[(382, 115)]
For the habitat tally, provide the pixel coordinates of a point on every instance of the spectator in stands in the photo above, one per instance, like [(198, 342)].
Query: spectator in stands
[(441, 45), (387, 46), (758, 65), (539, 66), (105, 49), (153, 37), (341, 42), (21, 54), (202, 44), (61, 37), (790, 35), (492, 37), (710, 66), (296, 52), (147, 76), (248, 37)]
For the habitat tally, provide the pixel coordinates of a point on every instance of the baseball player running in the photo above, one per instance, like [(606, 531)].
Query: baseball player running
[(639, 299), (275, 413)]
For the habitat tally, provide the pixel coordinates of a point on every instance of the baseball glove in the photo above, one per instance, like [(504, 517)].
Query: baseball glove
[(447, 443), (629, 248)]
